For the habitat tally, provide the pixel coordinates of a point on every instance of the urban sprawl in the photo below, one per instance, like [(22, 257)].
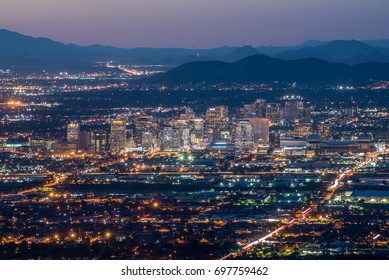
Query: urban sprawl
[(102, 166)]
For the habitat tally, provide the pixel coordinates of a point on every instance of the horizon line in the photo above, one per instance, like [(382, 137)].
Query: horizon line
[(188, 48)]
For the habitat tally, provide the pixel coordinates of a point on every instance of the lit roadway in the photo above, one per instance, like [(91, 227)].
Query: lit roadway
[(58, 178), (337, 183), (171, 173)]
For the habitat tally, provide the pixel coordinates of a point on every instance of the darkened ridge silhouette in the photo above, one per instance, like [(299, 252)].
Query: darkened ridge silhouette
[(25, 53), (260, 68)]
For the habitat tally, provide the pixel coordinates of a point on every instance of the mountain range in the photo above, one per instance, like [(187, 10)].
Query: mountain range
[(265, 69), (25, 53), (350, 52)]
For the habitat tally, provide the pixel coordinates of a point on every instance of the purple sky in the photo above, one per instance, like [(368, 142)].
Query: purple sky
[(196, 23)]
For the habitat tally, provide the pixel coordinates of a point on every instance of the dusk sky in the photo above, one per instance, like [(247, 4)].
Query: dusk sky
[(196, 23)]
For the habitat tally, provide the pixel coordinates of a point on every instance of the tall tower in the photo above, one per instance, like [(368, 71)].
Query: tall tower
[(215, 119), (216, 116), (73, 133), (244, 135), (171, 139), (261, 129), (196, 130), (273, 112), (290, 111), (147, 140), (98, 141), (117, 138)]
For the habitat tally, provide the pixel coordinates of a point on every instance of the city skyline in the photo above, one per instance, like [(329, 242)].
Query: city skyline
[(193, 24), (182, 145), (266, 177)]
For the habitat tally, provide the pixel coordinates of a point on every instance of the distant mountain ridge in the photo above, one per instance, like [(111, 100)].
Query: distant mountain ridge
[(264, 69), (25, 53), (351, 52)]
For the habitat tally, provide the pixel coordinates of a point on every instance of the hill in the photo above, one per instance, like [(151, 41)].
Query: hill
[(264, 69), (25, 53), (351, 52)]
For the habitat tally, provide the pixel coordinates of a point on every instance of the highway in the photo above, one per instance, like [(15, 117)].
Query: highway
[(337, 184), (58, 178)]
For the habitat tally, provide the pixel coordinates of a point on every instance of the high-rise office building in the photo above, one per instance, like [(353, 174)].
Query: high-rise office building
[(260, 107), (171, 139), (255, 110), (117, 138), (84, 141), (147, 140), (216, 116), (273, 112), (290, 112), (185, 138), (304, 112), (189, 114), (98, 141), (73, 133), (260, 128), (196, 128), (147, 123), (275, 140), (244, 139), (251, 132)]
